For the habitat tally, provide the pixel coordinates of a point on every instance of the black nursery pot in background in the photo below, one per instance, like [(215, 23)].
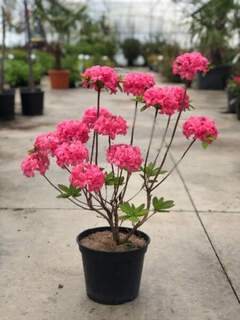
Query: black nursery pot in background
[(112, 277), (215, 79), (7, 102), (32, 101), (238, 109), (233, 101)]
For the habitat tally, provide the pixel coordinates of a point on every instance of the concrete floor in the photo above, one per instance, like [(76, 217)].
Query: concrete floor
[(192, 265)]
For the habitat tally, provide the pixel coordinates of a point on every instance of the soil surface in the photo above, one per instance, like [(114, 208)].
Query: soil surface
[(103, 241)]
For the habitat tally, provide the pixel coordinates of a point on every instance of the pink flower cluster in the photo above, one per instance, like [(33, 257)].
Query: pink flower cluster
[(72, 130), (236, 79), (111, 126), (98, 77), (125, 157), (188, 64), (167, 99), (90, 115), (201, 128), (71, 153), (35, 161), (89, 176), (136, 83), (46, 142)]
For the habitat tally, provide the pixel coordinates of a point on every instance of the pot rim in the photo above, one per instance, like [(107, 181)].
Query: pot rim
[(52, 71), (86, 232), (27, 90)]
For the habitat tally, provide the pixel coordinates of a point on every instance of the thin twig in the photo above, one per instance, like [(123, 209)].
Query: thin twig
[(175, 166), (134, 122)]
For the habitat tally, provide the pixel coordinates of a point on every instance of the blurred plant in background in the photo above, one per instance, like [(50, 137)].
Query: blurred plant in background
[(212, 27), (131, 49)]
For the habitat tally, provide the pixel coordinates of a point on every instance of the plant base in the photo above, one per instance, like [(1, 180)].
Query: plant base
[(7, 102), (59, 79), (112, 277), (32, 102)]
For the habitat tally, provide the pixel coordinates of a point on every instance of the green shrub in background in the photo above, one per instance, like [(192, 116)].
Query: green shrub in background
[(17, 73), (71, 63), (18, 54), (131, 50), (96, 50), (45, 59), (169, 53)]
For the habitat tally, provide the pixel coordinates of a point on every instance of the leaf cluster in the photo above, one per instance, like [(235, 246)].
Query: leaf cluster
[(67, 192), (132, 213), (151, 171), (112, 180)]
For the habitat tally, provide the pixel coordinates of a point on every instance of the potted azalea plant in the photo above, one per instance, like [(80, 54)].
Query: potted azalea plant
[(61, 20), (113, 254), (233, 94), (7, 97), (32, 98)]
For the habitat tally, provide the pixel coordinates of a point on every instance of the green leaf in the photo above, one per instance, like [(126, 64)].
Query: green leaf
[(70, 191), (111, 180), (63, 195), (132, 213), (151, 171), (161, 205), (205, 144), (63, 188), (143, 108)]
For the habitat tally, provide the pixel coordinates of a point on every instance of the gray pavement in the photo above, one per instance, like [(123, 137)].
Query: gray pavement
[(192, 265)]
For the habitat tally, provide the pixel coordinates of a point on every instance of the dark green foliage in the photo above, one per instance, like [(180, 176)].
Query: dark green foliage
[(212, 26), (72, 64), (61, 20), (45, 59), (169, 52), (131, 50), (17, 73), (111, 180)]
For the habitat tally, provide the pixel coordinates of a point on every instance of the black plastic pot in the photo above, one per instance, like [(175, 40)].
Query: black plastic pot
[(7, 102), (32, 102), (233, 101), (238, 109), (215, 79), (112, 277)]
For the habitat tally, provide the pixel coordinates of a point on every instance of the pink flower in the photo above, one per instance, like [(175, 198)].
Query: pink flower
[(98, 77), (201, 128), (71, 153), (35, 161), (236, 79), (72, 130), (46, 142), (136, 83), (86, 175), (188, 64), (111, 126), (90, 115), (125, 157), (167, 99)]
